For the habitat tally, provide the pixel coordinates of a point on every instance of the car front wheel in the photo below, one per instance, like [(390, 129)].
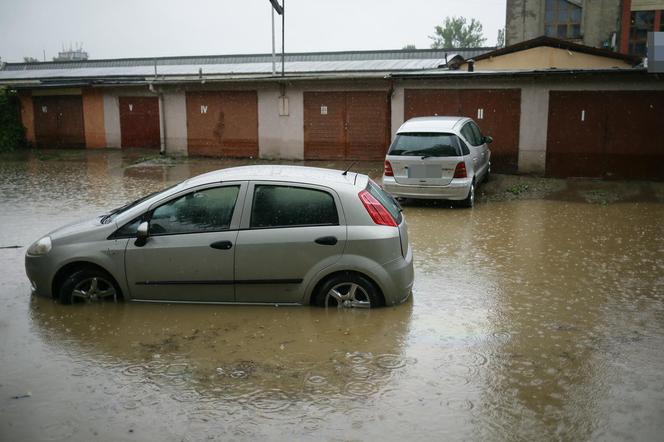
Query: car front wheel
[(88, 285)]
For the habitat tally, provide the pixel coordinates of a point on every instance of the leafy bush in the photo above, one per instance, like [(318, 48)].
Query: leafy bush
[(12, 132)]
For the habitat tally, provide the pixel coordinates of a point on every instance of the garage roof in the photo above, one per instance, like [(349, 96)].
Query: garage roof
[(242, 66)]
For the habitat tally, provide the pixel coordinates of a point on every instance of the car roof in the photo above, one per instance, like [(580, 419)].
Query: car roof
[(296, 174), (432, 124)]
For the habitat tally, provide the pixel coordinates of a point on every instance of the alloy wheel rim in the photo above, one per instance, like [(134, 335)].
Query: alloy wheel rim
[(348, 295), (94, 289)]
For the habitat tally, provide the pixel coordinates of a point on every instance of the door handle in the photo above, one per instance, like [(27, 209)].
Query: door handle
[(222, 245), (326, 241)]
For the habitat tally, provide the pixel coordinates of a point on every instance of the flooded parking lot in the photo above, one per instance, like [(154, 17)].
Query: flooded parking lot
[(537, 315)]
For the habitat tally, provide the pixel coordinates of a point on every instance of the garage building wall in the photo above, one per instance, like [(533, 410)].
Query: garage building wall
[(28, 115), (175, 116), (534, 105), (280, 136), (112, 120), (93, 118)]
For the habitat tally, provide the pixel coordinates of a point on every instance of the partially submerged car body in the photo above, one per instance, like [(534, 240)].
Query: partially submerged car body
[(437, 158), (253, 234)]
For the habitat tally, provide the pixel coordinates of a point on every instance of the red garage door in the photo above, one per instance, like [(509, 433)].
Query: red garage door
[(139, 122), (350, 125), (607, 134), (223, 123), (59, 121), (497, 111)]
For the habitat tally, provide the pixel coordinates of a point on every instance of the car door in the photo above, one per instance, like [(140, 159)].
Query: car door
[(189, 254), (290, 232), (483, 148), (474, 145)]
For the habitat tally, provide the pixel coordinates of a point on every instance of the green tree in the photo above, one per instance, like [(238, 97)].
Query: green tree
[(409, 46), (500, 41), (457, 32), (12, 133)]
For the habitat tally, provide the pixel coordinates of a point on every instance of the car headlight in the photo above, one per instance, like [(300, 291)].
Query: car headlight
[(41, 247)]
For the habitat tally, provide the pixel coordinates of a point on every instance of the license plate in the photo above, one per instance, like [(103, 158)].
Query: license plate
[(424, 171)]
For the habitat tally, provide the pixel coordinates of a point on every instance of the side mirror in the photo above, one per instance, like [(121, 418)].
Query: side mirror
[(488, 139), (142, 234)]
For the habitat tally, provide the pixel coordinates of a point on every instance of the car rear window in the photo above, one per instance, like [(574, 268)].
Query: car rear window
[(286, 206), (387, 200), (433, 144)]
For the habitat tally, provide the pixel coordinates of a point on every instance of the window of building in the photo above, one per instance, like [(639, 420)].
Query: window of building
[(562, 19), (285, 206), (642, 22)]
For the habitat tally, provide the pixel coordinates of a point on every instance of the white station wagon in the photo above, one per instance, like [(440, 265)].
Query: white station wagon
[(253, 235), (438, 158)]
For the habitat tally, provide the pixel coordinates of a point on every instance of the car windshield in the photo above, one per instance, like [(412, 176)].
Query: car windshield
[(110, 216), (425, 144)]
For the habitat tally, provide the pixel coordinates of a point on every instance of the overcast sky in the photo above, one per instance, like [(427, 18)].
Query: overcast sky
[(144, 28)]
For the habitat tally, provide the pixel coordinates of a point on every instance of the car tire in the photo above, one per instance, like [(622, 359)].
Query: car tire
[(89, 285), (469, 202), (348, 290), (487, 175)]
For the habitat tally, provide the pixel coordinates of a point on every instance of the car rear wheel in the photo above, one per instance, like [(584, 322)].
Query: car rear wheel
[(470, 199), (89, 285), (348, 290)]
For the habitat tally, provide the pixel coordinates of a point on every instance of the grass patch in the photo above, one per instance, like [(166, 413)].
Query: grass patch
[(517, 189)]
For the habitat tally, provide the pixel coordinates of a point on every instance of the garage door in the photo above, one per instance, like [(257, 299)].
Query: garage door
[(223, 123), (347, 125), (497, 111), (605, 134), (59, 121), (139, 122)]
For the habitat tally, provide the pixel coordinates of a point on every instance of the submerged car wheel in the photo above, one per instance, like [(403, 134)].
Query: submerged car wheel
[(88, 285), (348, 291), (470, 199)]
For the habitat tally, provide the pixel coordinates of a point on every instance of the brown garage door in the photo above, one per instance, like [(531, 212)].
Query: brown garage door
[(223, 123), (497, 111), (608, 134), (139, 122), (59, 121), (350, 125)]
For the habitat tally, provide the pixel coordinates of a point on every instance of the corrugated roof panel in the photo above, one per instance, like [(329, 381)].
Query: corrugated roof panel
[(226, 68)]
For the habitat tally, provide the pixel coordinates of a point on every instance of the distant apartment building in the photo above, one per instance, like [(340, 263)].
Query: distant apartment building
[(77, 54), (619, 25)]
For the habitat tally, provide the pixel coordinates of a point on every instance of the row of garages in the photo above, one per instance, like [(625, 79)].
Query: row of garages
[(595, 129)]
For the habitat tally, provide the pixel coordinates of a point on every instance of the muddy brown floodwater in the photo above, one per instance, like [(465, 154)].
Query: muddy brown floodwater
[(533, 318)]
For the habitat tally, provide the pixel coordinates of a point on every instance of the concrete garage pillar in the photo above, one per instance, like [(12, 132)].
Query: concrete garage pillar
[(112, 121), (280, 136), (397, 110), (175, 113), (533, 130)]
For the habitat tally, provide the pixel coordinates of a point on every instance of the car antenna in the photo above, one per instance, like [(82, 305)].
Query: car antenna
[(348, 168)]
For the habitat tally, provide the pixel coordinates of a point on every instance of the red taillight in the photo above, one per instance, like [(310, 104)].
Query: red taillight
[(377, 212), (388, 169), (460, 170)]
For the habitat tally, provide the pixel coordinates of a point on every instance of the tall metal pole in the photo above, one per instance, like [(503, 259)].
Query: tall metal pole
[(283, 28), (274, 57)]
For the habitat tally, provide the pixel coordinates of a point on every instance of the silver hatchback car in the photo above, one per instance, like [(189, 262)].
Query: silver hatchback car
[(254, 235), (438, 158)]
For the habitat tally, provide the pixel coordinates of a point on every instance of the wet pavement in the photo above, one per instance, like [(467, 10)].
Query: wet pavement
[(538, 315)]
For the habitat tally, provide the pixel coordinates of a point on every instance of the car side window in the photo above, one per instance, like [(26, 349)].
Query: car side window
[(464, 147), (207, 210), (287, 206), (479, 139), (469, 134), (129, 229)]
